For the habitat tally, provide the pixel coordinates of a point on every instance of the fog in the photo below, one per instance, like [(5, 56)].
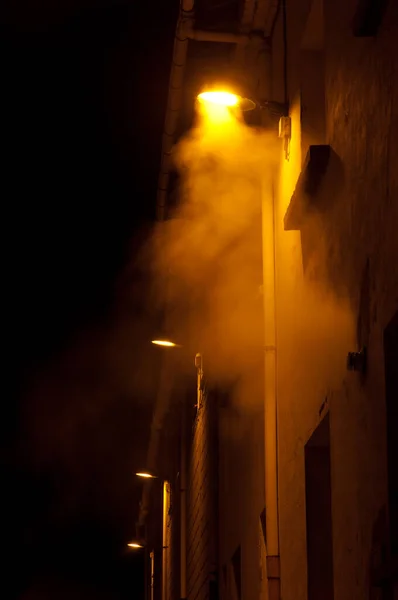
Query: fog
[(208, 256), (207, 259)]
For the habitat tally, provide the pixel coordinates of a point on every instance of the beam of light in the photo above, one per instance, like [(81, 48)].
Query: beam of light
[(216, 115), (166, 343), (135, 545), (146, 475), (220, 98)]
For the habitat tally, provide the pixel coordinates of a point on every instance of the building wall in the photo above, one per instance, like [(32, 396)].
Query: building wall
[(336, 290), (241, 499), (173, 544), (321, 312), (167, 550), (201, 504)]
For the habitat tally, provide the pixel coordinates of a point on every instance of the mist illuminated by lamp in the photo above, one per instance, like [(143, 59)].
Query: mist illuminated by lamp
[(216, 115), (165, 343), (220, 98)]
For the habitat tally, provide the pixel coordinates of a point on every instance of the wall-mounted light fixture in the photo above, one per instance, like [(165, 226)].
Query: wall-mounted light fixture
[(136, 545), (229, 99), (146, 475), (232, 95), (165, 343)]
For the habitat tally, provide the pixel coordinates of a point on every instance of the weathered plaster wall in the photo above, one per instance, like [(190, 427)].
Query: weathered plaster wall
[(318, 311)]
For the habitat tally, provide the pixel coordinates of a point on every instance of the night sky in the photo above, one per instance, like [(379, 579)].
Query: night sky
[(83, 96)]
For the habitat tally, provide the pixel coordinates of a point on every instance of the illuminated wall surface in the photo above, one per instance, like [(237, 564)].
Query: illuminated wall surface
[(336, 291), (329, 301)]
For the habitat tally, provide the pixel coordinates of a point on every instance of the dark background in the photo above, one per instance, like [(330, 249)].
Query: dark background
[(83, 96)]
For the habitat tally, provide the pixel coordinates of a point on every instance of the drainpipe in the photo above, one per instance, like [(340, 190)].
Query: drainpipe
[(152, 559), (165, 538), (270, 333), (270, 405), (270, 365), (199, 380)]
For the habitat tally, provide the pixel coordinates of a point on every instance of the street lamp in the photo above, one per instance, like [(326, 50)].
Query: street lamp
[(138, 546), (229, 93), (146, 475), (135, 545), (166, 343), (222, 98)]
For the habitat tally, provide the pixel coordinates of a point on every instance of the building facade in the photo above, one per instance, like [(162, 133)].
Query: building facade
[(296, 498)]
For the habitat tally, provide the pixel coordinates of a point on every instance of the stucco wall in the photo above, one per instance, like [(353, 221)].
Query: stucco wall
[(241, 495), (353, 247), (317, 316), (201, 514)]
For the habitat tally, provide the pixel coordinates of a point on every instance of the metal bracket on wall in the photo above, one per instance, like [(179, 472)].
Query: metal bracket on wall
[(275, 109)]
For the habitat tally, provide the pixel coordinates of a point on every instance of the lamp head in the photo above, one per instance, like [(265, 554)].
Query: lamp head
[(165, 343), (233, 89), (135, 545), (222, 97), (146, 475)]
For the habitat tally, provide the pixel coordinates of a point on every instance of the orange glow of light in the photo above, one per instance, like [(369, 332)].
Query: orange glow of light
[(146, 475), (216, 115), (220, 98), (165, 343), (135, 545)]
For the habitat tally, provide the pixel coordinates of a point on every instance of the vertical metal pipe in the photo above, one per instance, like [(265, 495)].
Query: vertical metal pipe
[(270, 400), (270, 366), (166, 493), (152, 559), (199, 378)]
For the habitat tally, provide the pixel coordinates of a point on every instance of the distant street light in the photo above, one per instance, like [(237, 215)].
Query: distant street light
[(135, 545), (166, 343), (146, 475)]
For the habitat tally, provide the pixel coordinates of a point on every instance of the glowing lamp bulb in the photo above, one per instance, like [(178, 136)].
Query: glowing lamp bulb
[(221, 98), (165, 343), (135, 545), (146, 475)]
